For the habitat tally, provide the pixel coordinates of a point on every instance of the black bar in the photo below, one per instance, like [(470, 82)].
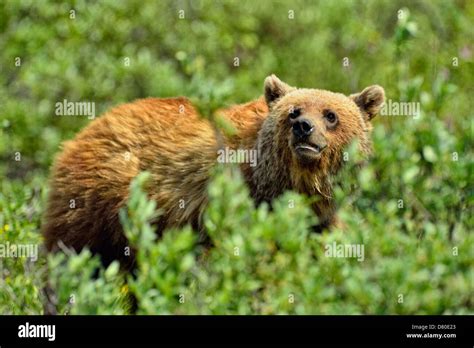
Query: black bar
[(221, 330)]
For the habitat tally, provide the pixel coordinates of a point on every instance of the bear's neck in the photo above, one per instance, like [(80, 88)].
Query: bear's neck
[(277, 170)]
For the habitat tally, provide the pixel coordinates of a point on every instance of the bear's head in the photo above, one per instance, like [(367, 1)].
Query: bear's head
[(314, 126)]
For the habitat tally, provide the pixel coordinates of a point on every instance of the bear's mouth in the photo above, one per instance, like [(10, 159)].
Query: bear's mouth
[(304, 147), (308, 149)]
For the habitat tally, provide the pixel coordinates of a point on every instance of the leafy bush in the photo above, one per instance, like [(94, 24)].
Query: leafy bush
[(80, 286), (268, 262)]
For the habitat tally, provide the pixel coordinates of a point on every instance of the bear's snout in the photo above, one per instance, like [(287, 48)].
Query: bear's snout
[(308, 141), (303, 128)]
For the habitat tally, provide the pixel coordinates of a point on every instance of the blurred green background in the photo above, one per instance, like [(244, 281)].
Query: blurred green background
[(420, 51)]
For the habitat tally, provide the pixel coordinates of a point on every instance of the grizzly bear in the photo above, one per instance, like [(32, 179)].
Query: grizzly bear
[(298, 135)]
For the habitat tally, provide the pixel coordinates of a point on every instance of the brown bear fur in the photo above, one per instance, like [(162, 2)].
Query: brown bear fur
[(168, 138)]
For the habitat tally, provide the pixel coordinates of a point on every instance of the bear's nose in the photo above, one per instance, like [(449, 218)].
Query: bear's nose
[(302, 128)]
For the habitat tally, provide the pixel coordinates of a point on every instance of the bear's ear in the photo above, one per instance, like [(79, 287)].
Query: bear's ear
[(274, 89), (370, 100)]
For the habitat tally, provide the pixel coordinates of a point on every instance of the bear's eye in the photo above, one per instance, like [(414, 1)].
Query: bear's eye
[(294, 113), (331, 117)]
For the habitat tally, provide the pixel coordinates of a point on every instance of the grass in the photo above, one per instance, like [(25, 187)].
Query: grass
[(411, 206)]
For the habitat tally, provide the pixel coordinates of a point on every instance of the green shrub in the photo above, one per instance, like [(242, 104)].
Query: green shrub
[(268, 262)]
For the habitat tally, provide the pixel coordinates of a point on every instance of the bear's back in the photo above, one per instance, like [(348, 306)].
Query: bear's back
[(167, 137)]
